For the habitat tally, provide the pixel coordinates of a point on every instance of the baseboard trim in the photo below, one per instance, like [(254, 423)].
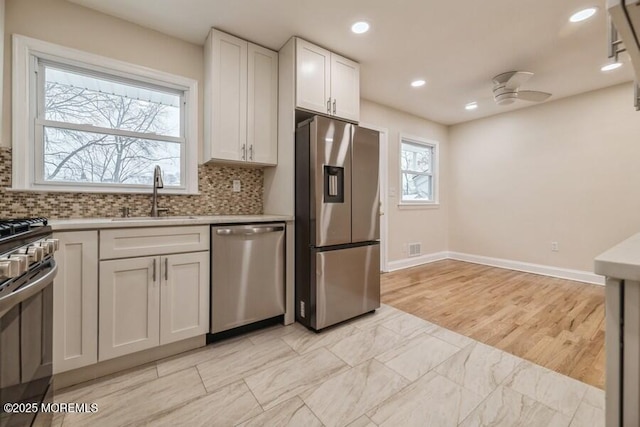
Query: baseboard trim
[(416, 261), (118, 364), (544, 270)]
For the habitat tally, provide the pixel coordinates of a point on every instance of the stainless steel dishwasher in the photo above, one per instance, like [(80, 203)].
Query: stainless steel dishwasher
[(247, 274)]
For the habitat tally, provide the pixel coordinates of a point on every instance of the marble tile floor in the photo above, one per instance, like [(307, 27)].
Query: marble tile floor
[(383, 369)]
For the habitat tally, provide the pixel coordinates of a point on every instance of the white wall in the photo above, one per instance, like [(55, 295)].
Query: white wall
[(565, 171), (1, 59), (409, 225), (74, 26)]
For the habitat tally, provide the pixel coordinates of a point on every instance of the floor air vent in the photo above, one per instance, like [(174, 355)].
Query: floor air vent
[(415, 249)]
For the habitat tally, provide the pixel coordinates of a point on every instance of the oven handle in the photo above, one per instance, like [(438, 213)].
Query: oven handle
[(15, 298)]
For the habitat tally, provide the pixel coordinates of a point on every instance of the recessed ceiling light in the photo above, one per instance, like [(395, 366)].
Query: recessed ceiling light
[(471, 106), (360, 27), (418, 83), (583, 14), (611, 67)]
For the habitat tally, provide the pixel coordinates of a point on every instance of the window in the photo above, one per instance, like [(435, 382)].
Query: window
[(418, 171), (96, 124)]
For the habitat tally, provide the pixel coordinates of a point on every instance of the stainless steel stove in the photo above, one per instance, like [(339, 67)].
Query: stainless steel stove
[(27, 270)]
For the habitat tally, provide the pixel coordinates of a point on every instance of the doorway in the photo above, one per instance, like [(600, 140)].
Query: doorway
[(383, 175)]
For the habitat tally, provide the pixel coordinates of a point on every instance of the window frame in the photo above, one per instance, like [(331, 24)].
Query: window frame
[(27, 137), (435, 165)]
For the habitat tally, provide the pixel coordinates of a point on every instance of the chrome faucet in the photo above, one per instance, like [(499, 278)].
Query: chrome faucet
[(157, 183)]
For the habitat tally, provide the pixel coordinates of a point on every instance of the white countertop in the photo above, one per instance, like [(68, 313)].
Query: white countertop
[(621, 261), (99, 223)]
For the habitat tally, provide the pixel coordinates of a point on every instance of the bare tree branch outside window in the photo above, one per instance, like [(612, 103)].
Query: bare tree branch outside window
[(86, 151), (416, 164)]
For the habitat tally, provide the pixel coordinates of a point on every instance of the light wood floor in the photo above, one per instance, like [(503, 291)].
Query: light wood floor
[(552, 322)]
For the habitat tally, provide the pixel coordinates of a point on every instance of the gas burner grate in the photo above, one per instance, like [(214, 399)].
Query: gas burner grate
[(11, 227)]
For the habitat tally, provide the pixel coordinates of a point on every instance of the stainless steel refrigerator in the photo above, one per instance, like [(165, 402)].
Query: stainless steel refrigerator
[(337, 222)]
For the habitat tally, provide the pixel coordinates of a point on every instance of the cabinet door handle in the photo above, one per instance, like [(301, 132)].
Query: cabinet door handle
[(166, 270), (251, 152), (334, 106), (154, 270), (329, 106), (244, 152), (615, 46)]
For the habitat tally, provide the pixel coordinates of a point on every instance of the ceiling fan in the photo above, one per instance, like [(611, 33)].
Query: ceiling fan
[(506, 88)]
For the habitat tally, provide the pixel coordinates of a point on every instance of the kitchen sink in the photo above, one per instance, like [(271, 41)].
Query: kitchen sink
[(153, 218)]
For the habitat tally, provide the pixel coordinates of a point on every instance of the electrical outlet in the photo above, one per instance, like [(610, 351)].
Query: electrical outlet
[(236, 186), (302, 313), (555, 247)]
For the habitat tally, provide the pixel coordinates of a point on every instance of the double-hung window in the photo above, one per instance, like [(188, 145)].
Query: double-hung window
[(418, 171), (96, 124)]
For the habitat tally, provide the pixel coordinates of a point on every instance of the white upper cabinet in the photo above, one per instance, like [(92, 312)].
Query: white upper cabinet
[(345, 88), (241, 101), (327, 83), (262, 105), (228, 76), (313, 77)]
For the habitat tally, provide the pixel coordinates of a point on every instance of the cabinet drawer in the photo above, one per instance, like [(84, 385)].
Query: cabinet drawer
[(136, 242)]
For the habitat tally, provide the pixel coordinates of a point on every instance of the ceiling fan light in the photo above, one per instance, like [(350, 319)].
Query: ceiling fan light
[(583, 15), (610, 67)]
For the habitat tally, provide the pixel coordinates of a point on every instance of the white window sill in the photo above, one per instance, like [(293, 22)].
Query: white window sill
[(414, 206), (63, 189)]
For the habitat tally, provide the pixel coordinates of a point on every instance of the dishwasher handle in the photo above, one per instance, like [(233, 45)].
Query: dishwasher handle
[(249, 231)]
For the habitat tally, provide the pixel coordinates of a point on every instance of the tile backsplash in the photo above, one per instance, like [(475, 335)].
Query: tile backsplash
[(215, 198)]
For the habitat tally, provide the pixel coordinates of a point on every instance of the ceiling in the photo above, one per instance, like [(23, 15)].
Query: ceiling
[(456, 46)]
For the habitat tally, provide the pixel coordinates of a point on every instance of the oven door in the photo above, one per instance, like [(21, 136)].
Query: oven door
[(26, 329)]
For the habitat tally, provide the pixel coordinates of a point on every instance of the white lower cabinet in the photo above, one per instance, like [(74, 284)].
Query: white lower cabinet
[(121, 291), (75, 301), (129, 306), (184, 296), (151, 301)]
